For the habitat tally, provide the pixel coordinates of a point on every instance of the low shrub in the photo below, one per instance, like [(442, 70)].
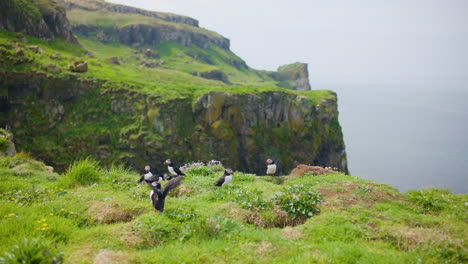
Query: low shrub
[(3, 143), (27, 197), (32, 250), (299, 200), (202, 169), (431, 200)]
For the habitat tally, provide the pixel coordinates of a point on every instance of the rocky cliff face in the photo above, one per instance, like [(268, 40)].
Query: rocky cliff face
[(43, 19), (143, 34), (293, 76), (242, 130)]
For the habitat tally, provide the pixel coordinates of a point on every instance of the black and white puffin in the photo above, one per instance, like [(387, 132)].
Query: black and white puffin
[(271, 167), (225, 179), (148, 177), (158, 196), (173, 170)]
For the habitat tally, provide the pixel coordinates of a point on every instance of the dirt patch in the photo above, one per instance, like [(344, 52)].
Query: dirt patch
[(83, 253), (301, 169), (264, 248), (107, 213), (181, 190), (346, 194), (291, 233), (283, 220), (407, 238), (105, 256)]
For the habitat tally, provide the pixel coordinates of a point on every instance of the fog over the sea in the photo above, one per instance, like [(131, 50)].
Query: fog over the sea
[(400, 69)]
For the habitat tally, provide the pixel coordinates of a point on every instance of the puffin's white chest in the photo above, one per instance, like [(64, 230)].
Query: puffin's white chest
[(227, 180), (148, 175), (171, 170), (151, 195), (271, 169)]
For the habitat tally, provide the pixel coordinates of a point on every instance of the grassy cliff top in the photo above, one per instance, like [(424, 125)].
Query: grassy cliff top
[(97, 214), (168, 72), (99, 5)]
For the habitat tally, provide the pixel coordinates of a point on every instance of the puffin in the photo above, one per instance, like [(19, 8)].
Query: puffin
[(225, 179), (148, 177), (173, 170), (158, 196), (271, 167)]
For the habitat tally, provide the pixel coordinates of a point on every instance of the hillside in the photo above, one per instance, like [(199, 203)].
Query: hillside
[(96, 215), (154, 97)]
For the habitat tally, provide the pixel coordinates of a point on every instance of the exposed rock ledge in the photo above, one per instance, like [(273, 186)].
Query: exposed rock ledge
[(43, 19)]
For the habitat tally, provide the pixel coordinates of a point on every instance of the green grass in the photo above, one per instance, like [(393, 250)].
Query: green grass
[(111, 219)]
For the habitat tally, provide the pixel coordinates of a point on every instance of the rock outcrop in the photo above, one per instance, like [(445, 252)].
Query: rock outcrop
[(99, 5), (7, 147), (146, 28), (293, 76), (240, 129), (44, 19)]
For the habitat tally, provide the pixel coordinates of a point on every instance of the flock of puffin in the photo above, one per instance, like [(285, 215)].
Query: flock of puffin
[(158, 195)]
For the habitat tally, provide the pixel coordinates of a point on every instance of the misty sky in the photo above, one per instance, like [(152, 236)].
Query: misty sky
[(363, 41)]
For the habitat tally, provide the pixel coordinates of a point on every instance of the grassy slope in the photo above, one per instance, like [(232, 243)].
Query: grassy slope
[(172, 79), (360, 221)]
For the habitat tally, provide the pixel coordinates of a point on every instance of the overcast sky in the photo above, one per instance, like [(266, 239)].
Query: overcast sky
[(363, 41)]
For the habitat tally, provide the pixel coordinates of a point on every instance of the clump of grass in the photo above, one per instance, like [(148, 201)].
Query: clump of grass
[(248, 199), (120, 177), (83, 172)]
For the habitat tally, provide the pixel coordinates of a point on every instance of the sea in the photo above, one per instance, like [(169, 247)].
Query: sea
[(411, 135)]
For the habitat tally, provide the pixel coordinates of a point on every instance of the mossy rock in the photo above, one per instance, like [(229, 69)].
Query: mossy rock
[(79, 66)]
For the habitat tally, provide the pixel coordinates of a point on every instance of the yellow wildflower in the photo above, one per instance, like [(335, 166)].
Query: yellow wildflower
[(44, 224)]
